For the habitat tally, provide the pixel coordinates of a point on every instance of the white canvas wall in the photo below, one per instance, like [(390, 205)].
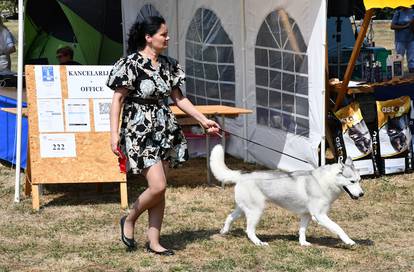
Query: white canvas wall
[(300, 127), (167, 9), (310, 17)]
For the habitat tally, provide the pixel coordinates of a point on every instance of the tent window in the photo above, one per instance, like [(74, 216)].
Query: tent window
[(146, 11), (282, 75), (209, 61)]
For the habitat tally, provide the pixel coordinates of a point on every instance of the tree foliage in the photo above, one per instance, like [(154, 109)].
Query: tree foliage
[(384, 14), (8, 7)]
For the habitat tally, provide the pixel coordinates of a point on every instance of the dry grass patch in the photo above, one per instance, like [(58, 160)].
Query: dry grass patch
[(77, 229)]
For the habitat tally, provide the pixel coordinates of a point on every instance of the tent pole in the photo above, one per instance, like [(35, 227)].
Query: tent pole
[(244, 99), (19, 102), (355, 53), (326, 74), (177, 43)]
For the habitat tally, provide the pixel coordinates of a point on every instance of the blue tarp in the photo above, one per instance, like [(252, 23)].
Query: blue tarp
[(8, 133)]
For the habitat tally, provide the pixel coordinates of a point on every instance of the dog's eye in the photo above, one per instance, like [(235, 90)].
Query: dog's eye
[(352, 181)]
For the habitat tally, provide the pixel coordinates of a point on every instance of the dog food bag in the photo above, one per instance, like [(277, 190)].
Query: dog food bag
[(368, 107), (356, 139), (394, 134)]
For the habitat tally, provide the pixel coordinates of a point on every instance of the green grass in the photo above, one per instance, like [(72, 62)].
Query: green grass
[(77, 229)]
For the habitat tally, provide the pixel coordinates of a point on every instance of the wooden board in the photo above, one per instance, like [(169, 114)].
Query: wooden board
[(213, 110), (94, 161)]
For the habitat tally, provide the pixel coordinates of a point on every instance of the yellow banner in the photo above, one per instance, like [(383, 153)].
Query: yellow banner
[(369, 4)]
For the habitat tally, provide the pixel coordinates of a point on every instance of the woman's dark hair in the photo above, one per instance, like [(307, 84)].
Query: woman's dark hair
[(136, 38)]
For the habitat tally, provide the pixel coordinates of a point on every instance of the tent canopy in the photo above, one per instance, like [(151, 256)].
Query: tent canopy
[(387, 3), (94, 31), (268, 58)]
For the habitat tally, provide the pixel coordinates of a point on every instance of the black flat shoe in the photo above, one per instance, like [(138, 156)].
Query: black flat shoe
[(167, 252), (130, 243)]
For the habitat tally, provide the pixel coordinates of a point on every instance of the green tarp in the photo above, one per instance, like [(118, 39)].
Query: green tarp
[(93, 29)]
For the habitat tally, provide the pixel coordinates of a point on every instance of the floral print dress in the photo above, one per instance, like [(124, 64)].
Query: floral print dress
[(149, 131)]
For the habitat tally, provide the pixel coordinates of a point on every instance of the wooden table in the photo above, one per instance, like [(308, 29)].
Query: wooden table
[(210, 111), (14, 111), (11, 92)]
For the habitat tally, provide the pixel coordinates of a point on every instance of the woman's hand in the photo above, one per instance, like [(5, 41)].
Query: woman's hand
[(115, 144), (211, 126)]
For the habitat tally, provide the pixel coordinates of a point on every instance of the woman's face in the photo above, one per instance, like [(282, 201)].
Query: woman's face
[(159, 41)]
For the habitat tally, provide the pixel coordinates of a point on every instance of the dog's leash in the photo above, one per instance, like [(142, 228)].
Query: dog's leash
[(256, 143)]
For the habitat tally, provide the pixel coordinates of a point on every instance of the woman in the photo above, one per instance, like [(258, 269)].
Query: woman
[(403, 25), (149, 135)]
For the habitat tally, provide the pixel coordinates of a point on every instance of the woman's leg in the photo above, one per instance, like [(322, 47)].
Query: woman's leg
[(153, 195), (400, 48), (155, 217)]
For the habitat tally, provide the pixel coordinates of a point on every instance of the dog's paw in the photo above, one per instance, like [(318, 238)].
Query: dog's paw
[(350, 246), (260, 243), (350, 243), (305, 243), (224, 231)]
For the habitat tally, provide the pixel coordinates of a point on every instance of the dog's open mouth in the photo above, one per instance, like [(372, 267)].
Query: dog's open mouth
[(349, 193)]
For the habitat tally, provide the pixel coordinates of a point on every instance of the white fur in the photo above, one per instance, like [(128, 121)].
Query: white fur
[(307, 193)]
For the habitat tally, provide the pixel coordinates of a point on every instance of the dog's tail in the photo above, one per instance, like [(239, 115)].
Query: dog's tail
[(219, 168)]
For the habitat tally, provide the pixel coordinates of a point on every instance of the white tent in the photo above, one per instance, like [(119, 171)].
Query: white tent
[(267, 56)]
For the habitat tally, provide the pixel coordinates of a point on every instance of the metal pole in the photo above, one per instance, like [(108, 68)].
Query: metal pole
[(244, 82), (19, 101)]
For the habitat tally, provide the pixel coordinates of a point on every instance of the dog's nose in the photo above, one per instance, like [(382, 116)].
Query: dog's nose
[(361, 194)]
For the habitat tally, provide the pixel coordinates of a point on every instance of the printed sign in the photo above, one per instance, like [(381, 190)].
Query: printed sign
[(101, 109), (88, 81), (57, 145), (77, 115), (48, 81), (50, 115)]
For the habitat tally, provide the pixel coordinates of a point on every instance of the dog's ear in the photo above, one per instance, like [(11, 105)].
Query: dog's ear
[(348, 161)]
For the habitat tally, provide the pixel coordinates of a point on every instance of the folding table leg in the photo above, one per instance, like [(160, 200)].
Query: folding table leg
[(208, 159), (223, 139), (223, 134)]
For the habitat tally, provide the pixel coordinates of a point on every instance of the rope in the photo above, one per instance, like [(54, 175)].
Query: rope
[(259, 144)]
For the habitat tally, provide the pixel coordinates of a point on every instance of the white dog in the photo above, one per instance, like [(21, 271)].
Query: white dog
[(307, 193)]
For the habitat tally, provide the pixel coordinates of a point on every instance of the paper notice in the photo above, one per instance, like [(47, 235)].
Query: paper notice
[(101, 109), (57, 145), (88, 81), (48, 81), (77, 115), (50, 115)]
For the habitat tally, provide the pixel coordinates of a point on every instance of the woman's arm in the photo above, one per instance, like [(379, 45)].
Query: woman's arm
[(398, 27), (117, 102), (186, 106), (11, 50)]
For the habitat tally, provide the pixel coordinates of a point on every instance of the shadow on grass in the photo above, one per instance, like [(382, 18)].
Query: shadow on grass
[(87, 194), (179, 240), (96, 193), (102, 193), (327, 241)]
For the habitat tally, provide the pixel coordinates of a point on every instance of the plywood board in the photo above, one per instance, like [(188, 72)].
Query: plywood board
[(94, 161)]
